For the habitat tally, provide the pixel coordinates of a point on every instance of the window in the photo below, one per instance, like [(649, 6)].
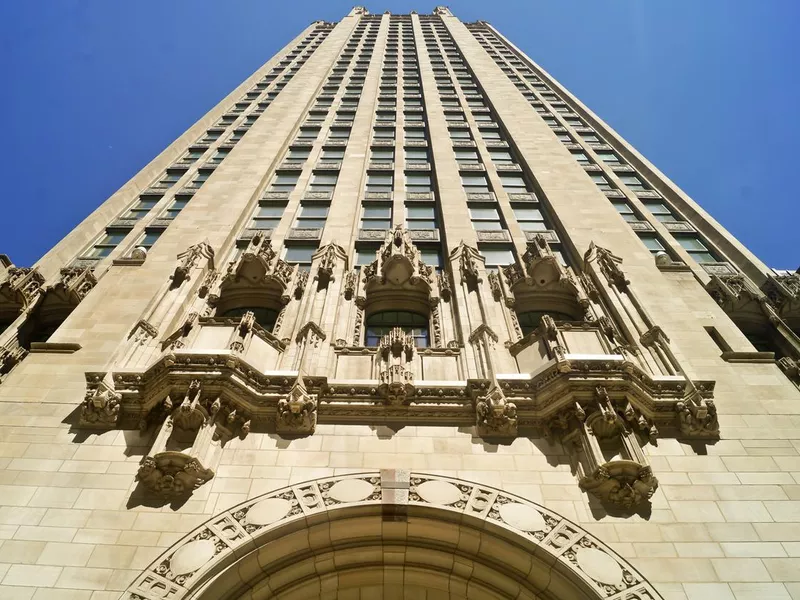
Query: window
[(513, 183), (332, 154), (608, 157), (323, 182), (308, 133), (601, 181), (466, 156), (380, 324), (652, 242), (633, 182), (284, 182), (382, 155), (149, 238), (268, 216), (459, 134), (177, 205), (300, 254), (171, 177), (193, 155), (696, 249), (415, 133), (580, 157), (416, 155), (298, 154), (529, 320), (475, 183), (625, 210), (529, 219), (485, 217), (383, 133), (660, 211), (385, 116), (265, 317), (200, 178), (431, 257), (490, 134), (211, 136), (454, 117), (496, 255), (339, 133), (420, 216), (590, 138), (380, 182), (418, 182), (109, 241), (501, 156), (220, 155), (141, 208), (376, 216)]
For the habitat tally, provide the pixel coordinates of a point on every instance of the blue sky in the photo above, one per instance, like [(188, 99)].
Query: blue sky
[(707, 90)]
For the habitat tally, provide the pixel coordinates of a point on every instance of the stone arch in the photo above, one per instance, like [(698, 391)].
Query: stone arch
[(383, 530)]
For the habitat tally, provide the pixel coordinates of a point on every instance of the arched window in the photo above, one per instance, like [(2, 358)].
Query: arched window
[(265, 317), (529, 320), (379, 324)]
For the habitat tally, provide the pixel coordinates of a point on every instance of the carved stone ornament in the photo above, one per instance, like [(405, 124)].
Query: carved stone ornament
[(494, 415), (259, 265), (100, 409), (74, 284), (21, 287), (10, 357), (470, 264), (597, 430), (188, 259), (396, 353), (297, 412), (609, 265), (697, 418), (328, 256)]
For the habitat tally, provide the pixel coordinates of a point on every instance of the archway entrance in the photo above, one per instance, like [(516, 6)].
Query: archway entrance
[(392, 534)]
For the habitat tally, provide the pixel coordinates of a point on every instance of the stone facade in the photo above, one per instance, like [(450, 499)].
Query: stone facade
[(208, 415)]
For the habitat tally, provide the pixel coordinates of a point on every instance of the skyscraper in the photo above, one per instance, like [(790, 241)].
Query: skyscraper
[(400, 317)]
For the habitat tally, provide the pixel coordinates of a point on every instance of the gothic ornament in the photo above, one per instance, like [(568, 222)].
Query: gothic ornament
[(495, 415), (189, 258), (100, 408), (297, 412), (396, 354)]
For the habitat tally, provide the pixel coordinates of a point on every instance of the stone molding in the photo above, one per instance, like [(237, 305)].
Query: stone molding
[(587, 568)]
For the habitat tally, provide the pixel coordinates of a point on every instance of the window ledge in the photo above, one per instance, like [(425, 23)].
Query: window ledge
[(748, 357), (54, 347), (128, 262)]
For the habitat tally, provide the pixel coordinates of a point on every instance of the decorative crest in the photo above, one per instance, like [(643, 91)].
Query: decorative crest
[(297, 412)]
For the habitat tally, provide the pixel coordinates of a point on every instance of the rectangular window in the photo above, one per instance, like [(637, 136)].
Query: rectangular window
[(431, 257), (414, 133), (308, 133), (652, 242), (633, 182), (625, 210), (420, 216), (696, 249), (339, 133), (459, 134), (299, 254), (466, 156), (149, 238), (268, 216), (580, 157), (298, 154), (141, 208), (501, 156), (496, 255), (513, 183), (485, 217), (382, 155), (418, 182), (376, 215), (383, 133), (312, 215), (474, 183), (284, 182), (380, 182), (660, 211), (220, 155), (174, 209), (171, 177), (529, 219), (323, 182), (110, 240), (601, 181), (608, 157), (490, 134), (365, 255), (416, 155)]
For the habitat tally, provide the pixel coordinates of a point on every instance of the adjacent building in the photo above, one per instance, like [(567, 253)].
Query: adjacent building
[(400, 317)]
